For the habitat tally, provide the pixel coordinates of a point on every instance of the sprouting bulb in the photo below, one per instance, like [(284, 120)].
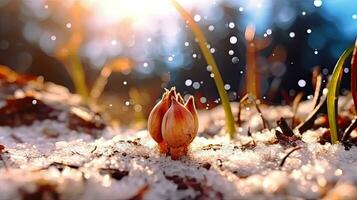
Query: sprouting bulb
[(156, 116), (173, 124), (178, 126)]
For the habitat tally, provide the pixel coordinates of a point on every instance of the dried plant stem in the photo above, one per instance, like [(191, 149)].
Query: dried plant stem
[(309, 121), (349, 130), (251, 78), (202, 42), (318, 84), (332, 95), (253, 99), (295, 107), (288, 154), (100, 83)]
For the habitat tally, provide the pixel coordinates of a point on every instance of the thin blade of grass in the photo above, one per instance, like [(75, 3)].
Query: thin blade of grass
[(202, 42), (333, 93)]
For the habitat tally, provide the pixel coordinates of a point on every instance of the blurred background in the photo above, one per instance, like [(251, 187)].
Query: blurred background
[(148, 46)]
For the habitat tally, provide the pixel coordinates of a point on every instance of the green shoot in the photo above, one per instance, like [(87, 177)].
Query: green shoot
[(202, 42), (333, 93), (77, 74)]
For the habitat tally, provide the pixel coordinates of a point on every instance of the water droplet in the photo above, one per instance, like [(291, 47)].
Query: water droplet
[(354, 16), (308, 31), (231, 52), (188, 82), (197, 18), (241, 72), (187, 44), (114, 42), (317, 3), (292, 34), (233, 40), (235, 60), (302, 83), (53, 37), (241, 9), (303, 13), (194, 55), (69, 25), (265, 35), (45, 6), (316, 52), (145, 64), (209, 68), (170, 58), (227, 87), (231, 25), (212, 50), (346, 70), (210, 27), (196, 85), (269, 31), (127, 103), (211, 75), (137, 108), (149, 39), (34, 102), (125, 83), (203, 100)]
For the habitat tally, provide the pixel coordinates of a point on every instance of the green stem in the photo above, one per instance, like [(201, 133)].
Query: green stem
[(333, 93), (202, 42), (77, 74)]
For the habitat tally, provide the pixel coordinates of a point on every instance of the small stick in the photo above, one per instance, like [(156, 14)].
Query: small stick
[(285, 127), (265, 123), (295, 107), (245, 97), (287, 155), (95, 148), (315, 100), (309, 122)]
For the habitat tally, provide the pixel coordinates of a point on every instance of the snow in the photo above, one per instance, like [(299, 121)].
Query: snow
[(48, 159)]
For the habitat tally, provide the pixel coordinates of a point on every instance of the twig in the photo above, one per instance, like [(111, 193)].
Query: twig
[(288, 154), (285, 127), (265, 123), (95, 148), (317, 92), (309, 121), (295, 107), (245, 97)]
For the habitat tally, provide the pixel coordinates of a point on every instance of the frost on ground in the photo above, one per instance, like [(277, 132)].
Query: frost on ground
[(71, 154)]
